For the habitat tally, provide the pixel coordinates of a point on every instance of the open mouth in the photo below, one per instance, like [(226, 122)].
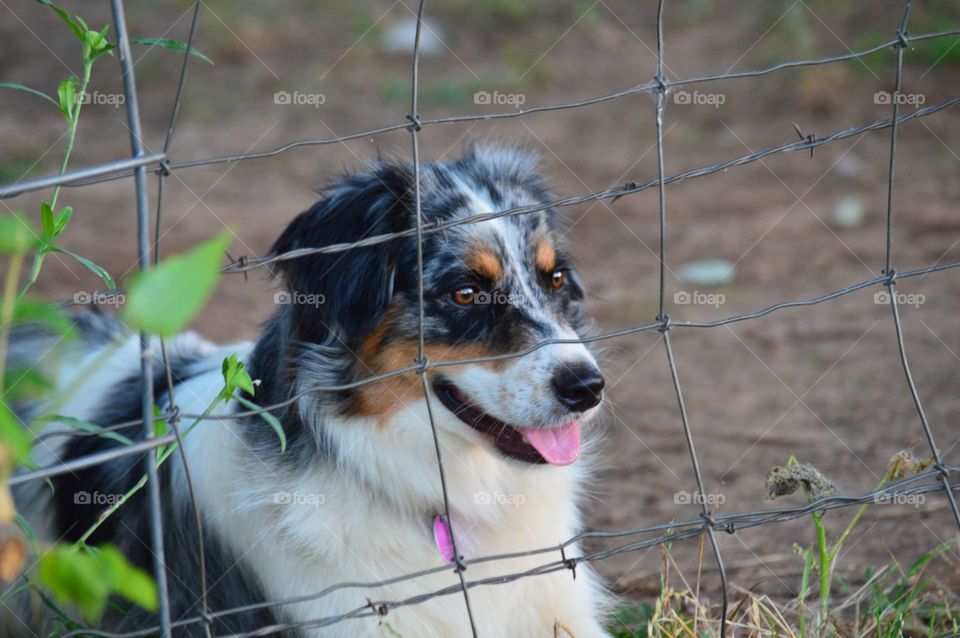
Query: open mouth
[(553, 445)]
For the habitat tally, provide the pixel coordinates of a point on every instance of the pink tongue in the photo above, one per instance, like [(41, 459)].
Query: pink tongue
[(558, 446)]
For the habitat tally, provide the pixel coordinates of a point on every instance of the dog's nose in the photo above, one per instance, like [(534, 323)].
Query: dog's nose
[(579, 387)]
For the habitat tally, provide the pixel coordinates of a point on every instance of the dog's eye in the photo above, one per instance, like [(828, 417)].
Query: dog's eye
[(464, 296), (557, 279)]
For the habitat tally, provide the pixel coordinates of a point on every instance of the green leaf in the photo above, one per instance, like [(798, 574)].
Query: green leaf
[(271, 420), (34, 311), (159, 425), (46, 219), (14, 435), (87, 577), (16, 86), (96, 44), (173, 45), (160, 429), (235, 376), (61, 220), (77, 29), (16, 234), (75, 576), (921, 562), (98, 270), (129, 581), (67, 92), (84, 426), (162, 301)]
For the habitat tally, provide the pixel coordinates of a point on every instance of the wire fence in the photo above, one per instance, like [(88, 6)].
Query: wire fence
[(935, 479)]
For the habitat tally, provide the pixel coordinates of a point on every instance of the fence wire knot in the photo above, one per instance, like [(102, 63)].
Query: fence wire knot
[(381, 610), (569, 563), (903, 39), (423, 363), (415, 123), (661, 83), (810, 140), (664, 321), (943, 471), (163, 168), (891, 277), (626, 188), (174, 415), (238, 264)]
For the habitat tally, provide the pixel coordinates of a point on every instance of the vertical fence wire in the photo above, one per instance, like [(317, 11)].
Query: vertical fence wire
[(891, 272), (174, 421), (423, 361), (146, 356), (664, 320)]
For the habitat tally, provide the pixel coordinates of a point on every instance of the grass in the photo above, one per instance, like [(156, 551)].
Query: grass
[(893, 600)]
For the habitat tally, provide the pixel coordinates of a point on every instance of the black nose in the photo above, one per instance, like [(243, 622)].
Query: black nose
[(579, 387)]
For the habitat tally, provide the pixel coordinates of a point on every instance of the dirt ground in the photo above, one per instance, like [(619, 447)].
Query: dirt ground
[(823, 383)]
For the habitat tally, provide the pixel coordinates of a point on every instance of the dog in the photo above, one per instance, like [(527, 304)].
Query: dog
[(356, 496)]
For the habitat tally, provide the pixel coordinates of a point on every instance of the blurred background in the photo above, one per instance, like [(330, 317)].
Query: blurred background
[(823, 383)]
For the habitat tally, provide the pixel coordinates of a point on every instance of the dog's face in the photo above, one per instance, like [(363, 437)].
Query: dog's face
[(489, 289)]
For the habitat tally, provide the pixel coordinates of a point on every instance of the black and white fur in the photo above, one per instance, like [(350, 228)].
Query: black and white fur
[(355, 494)]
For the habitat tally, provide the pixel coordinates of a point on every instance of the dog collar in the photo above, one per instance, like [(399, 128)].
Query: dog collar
[(443, 538)]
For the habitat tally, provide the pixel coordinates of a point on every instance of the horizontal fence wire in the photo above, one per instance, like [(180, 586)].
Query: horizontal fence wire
[(665, 533), (116, 170), (934, 480)]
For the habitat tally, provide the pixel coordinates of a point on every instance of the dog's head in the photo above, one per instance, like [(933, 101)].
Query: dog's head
[(489, 289)]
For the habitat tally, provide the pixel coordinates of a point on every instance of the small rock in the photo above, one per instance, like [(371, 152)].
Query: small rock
[(848, 213), (710, 272), (399, 37)]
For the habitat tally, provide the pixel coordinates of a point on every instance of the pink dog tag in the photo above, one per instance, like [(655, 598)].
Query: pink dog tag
[(443, 537)]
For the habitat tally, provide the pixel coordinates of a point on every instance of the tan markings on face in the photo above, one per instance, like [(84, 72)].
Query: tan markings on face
[(382, 398), (484, 262), (545, 256)]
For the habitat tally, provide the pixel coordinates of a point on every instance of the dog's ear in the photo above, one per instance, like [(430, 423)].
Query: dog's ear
[(344, 294)]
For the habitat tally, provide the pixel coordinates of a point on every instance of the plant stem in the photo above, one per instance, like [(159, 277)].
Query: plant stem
[(825, 561), (72, 124), (72, 128)]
